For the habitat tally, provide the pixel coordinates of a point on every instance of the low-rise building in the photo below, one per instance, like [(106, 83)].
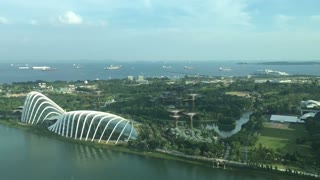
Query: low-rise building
[(141, 80), (309, 106), (286, 119), (130, 78)]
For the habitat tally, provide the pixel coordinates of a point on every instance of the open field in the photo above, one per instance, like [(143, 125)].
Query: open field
[(238, 93), (283, 136)]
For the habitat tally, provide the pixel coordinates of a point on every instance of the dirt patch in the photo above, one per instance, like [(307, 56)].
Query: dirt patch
[(238, 93), (277, 125)]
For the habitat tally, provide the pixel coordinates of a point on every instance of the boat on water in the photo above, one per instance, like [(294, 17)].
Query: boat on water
[(76, 66), (42, 68), (166, 67), (224, 69), (188, 67), (112, 67), (270, 72), (24, 67), (49, 69)]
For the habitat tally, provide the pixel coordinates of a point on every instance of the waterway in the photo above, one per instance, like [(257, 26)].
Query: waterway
[(224, 134), (24, 155)]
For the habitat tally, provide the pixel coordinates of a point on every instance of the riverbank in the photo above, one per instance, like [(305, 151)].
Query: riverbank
[(122, 148), (163, 154)]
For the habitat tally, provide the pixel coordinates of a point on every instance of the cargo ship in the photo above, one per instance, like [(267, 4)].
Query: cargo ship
[(112, 67), (270, 72)]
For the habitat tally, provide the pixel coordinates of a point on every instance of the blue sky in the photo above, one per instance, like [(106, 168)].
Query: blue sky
[(38, 30)]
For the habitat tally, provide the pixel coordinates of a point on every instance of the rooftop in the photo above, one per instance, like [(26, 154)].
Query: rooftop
[(282, 118)]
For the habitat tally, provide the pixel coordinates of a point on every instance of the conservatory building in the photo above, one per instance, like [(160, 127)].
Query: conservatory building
[(82, 125)]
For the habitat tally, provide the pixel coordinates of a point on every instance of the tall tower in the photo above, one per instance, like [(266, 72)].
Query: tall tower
[(193, 97), (175, 115), (191, 114)]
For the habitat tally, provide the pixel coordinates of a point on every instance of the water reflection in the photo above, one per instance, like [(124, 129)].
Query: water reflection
[(83, 153), (29, 156)]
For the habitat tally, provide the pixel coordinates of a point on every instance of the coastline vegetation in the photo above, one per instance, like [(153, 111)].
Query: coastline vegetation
[(290, 147)]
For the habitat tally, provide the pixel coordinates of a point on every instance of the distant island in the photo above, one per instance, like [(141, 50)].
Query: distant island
[(284, 63), (290, 63)]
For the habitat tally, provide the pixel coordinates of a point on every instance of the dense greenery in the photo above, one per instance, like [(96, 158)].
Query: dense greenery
[(313, 126), (149, 105)]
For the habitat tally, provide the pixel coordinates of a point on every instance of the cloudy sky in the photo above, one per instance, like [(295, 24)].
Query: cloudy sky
[(47, 30)]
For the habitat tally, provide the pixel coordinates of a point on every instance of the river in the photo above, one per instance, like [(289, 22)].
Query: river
[(224, 134), (24, 155)]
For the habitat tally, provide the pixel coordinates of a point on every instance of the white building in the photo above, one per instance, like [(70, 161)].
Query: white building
[(285, 119), (307, 115), (309, 104), (42, 85), (85, 125), (130, 78), (140, 78)]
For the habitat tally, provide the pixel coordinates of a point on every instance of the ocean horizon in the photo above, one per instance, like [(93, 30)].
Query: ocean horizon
[(74, 71)]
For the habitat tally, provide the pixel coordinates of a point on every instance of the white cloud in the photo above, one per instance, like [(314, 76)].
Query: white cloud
[(70, 18), (282, 20), (3, 20), (33, 22)]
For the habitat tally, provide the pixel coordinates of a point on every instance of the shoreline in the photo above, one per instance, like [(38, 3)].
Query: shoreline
[(41, 131), (214, 163)]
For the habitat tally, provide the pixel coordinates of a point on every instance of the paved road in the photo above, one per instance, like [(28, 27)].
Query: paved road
[(226, 162)]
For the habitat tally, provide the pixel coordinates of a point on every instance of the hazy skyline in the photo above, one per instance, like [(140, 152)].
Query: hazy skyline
[(155, 30)]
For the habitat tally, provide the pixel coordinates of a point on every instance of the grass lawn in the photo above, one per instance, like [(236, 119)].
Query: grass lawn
[(283, 137)]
